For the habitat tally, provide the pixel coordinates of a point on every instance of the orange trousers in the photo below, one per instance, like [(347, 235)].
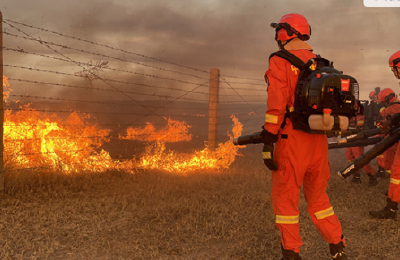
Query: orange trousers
[(380, 160), (394, 185), (302, 159), (390, 155)]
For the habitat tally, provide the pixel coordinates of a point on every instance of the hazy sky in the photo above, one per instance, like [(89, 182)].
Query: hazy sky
[(232, 35)]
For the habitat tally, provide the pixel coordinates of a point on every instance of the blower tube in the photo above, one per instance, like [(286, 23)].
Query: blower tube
[(255, 138), (365, 158)]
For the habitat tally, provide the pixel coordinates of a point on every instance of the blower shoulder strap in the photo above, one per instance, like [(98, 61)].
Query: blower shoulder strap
[(297, 62), (293, 59)]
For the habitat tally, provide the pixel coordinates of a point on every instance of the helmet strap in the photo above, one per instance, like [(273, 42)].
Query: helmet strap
[(388, 98), (396, 61), (395, 68), (281, 45), (396, 71)]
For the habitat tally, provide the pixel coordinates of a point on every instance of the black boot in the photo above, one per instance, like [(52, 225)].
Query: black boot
[(381, 173), (389, 212), (356, 178), (337, 251), (372, 180), (289, 254)]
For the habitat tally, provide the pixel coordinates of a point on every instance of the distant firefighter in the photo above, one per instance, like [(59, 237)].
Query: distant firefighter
[(373, 118), (372, 110), (354, 152)]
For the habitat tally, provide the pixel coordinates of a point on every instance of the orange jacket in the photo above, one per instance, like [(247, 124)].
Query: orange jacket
[(357, 121), (390, 110), (282, 78)]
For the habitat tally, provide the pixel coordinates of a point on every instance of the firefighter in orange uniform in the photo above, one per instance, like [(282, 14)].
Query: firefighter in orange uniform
[(389, 99), (393, 106), (354, 152), (375, 107), (302, 158)]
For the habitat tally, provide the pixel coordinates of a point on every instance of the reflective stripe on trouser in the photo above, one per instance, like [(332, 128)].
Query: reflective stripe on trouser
[(302, 160), (394, 185), (286, 219)]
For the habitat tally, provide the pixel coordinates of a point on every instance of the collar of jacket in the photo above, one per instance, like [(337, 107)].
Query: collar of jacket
[(297, 44)]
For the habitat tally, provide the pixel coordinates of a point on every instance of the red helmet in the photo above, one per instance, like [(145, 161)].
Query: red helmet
[(387, 95), (373, 96), (394, 59), (298, 27)]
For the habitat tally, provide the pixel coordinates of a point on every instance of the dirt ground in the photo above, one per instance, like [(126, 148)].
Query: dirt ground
[(157, 215)]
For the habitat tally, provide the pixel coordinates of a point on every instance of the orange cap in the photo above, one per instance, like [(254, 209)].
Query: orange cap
[(327, 110)]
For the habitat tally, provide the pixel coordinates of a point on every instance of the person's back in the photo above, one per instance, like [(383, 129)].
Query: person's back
[(302, 158)]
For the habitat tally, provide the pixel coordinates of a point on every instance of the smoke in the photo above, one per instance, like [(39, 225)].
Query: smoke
[(233, 36)]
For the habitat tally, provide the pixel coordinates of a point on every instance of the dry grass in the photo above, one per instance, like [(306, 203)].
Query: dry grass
[(158, 215)]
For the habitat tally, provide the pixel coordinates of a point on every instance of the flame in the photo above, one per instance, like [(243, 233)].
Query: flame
[(6, 89), (33, 139), (175, 131), (157, 157), (38, 140)]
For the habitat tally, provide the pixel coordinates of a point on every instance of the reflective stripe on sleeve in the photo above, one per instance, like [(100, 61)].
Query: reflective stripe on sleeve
[(394, 181), (324, 213), (389, 171), (271, 119), (381, 156), (287, 219), (291, 109), (380, 111)]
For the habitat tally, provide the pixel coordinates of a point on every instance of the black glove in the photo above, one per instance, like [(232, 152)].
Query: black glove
[(268, 149), (268, 137), (268, 157)]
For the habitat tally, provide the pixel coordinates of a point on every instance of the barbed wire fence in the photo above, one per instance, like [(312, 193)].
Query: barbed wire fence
[(54, 75)]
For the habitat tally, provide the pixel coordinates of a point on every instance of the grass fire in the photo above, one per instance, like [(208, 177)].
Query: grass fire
[(36, 139)]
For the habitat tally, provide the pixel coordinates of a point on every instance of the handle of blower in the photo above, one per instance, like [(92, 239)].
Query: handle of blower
[(268, 157), (267, 152)]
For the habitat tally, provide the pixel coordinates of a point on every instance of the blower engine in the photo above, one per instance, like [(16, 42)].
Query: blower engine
[(325, 100)]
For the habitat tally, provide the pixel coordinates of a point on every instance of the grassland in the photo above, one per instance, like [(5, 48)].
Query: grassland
[(157, 215)]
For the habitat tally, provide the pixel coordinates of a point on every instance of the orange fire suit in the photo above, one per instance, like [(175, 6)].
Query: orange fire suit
[(354, 152), (394, 185), (302, 158), (380, 160)]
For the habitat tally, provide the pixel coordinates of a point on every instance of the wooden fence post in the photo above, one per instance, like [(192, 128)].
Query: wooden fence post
[(213, 109)]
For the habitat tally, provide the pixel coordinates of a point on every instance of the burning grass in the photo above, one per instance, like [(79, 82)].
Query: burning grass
[(224, 214), (38, 140)]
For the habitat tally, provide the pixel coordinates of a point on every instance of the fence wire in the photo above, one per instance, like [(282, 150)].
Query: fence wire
[(68, 99)]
